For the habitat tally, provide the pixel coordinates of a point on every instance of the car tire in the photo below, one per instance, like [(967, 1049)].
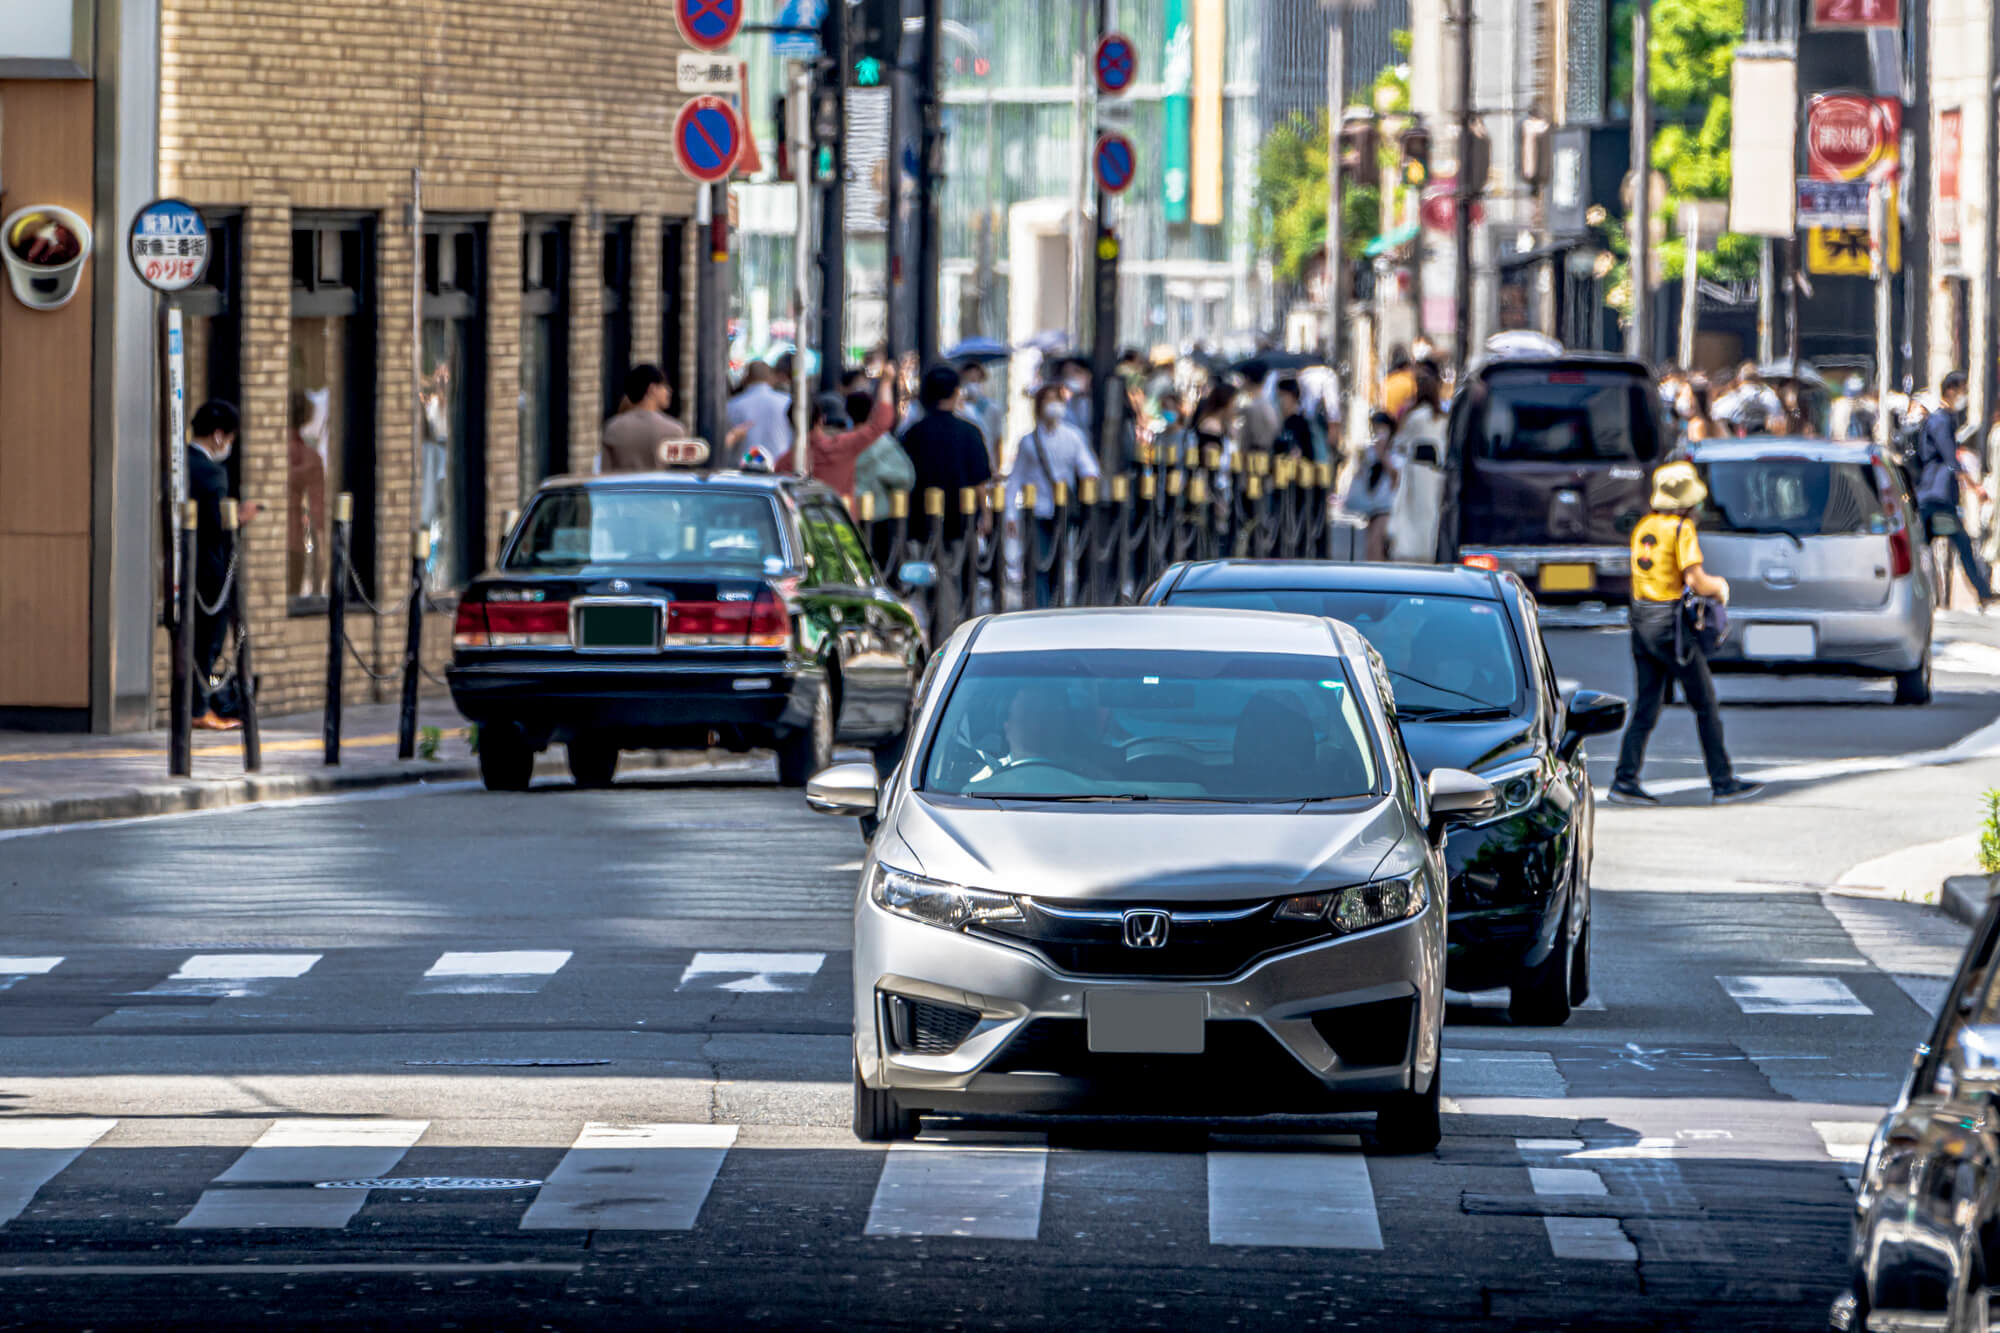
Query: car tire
[(809, 749), (506, 761), (1413, 1121), (878, 1116), (1579, 967), (1913, 688), (1541, 996), (593, 761)]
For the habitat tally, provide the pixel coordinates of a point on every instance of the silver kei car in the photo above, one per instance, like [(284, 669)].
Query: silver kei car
[(1153, 862)]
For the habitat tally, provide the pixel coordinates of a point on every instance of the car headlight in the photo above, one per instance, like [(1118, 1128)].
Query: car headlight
[(1363, 907), (935, 903), (1519, 785)]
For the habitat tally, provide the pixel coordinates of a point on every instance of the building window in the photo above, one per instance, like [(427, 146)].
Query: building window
[(617, 310), (544, 352), (673, 338), (212, 339), (330, 402), (452, 476)]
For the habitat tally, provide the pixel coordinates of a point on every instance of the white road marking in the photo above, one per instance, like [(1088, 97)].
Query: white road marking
[(1476, 1073), (1566, 1180), (13, 970), (1846, 1140), (1793, 995), (1500, 998), (304, 1152), (939, 1189), (1549, 1145), (234, 975), (509, 972), (34, 1152), (1599, 1238), (1312, 1200), (632, 1178), (752, 973)]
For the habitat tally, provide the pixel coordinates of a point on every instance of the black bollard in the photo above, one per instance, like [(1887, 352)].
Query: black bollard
[(413, 648), (239, 611), (336, 624)]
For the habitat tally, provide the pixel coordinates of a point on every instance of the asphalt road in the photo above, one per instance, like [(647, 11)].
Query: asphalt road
[(596, 1043)]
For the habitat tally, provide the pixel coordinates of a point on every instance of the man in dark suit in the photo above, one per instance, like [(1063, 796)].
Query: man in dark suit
[(948, 453), (213, 432)]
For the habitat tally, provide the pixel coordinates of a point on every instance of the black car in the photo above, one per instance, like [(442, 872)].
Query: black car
[(677, 610), (1462, 653)]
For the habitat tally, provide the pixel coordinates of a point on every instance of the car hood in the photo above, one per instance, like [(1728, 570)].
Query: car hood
[(1166, 853), (1468, 745)]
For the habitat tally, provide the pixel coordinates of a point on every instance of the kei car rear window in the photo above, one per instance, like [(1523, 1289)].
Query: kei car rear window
[(1553, 415), (1803, 497)]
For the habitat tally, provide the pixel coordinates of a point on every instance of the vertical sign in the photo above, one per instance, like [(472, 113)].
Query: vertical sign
[(1206, 157), (1179, 79), (1950, 146), (177, 405), (1763, 146)]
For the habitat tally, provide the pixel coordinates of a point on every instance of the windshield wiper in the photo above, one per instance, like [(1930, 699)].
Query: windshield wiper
[(1735, 530), (1441, 689), (1030, 796), (1421, 714)]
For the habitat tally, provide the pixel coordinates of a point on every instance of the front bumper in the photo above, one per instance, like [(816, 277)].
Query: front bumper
[(1509, 883), (1336, 1025), (642, 701)]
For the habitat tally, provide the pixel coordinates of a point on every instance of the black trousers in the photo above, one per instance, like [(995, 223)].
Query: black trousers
[(1961, 542), (209, 632), (1656, 665)]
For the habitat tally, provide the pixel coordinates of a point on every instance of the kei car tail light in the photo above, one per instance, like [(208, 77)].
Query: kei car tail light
[(511, 625), (1902, 559)]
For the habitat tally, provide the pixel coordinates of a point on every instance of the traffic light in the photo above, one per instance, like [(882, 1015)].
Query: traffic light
[(1416, 146), (1358, 146), (874, 41)]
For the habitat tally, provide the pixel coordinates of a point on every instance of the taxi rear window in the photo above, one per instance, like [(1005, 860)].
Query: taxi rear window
[(569, 529)]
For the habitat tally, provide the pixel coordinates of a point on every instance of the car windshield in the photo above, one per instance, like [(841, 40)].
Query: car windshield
[(1802, 497), (1444, 654), (569, 529), (1545, 415), (1132, 725)]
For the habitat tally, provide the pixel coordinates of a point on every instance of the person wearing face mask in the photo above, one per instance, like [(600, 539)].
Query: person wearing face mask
[(1054, 451), (214, 432)]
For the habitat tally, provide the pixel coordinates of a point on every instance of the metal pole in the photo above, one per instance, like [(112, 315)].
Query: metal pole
[(1767, 283), (1468, 190), (1690, 290), (180, 736), (1638, 338), (238, 610), (833, 209), (893, 243), (1792, 299), (1104, 316), (336, 625), (1080, 226), (800, 130), (711, 358), (417, 515), (1878, 235), (930, 183), (1336, 100), (413, 648)]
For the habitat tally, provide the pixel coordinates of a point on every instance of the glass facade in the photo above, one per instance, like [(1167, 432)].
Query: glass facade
[(452, 462), (544, 387), (329, 401)]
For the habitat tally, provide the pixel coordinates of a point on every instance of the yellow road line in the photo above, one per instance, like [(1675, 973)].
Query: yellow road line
[(231, 747)]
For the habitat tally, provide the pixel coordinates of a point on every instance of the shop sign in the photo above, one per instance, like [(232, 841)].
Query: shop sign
[(1848, 135)]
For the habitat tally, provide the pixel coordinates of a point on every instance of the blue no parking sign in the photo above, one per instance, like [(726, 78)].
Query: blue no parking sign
[(709, 25), (708, 138), (1115, 162), (1117, 63)]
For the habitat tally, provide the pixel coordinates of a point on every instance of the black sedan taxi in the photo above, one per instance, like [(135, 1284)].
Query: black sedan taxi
[(1461, 653), (676, 610)]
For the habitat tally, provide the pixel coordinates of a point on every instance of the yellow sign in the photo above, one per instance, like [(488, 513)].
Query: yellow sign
[(1843, 251)]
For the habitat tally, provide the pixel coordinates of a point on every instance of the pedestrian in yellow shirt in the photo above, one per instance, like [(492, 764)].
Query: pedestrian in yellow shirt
[(1666, 563)]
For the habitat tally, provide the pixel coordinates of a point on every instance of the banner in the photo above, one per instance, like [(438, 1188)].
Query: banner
[(1178, 77), (1763, 145), (1206, 155), (1950, 148)]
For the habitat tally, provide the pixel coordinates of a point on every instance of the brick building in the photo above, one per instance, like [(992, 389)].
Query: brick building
[(557, 251)]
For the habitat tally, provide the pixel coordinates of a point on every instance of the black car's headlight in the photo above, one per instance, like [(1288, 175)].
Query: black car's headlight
[(1362, 907), (935, 903), (1520, 785)]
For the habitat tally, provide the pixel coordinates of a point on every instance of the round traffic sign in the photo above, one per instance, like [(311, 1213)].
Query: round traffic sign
[(168, 245), (708, 138), (1115, 162), (1117, 63), (708, 25)]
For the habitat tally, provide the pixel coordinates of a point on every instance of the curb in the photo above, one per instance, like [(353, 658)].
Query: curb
[(1965, 897)]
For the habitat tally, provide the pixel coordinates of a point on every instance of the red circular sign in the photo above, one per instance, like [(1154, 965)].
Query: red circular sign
[(1847, 134), (1116, 63), (708, 138), (709, 25)]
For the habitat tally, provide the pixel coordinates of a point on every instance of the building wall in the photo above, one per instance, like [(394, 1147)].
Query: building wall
[(287, 108)]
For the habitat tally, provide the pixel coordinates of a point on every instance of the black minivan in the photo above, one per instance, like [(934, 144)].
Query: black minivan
[(1549, 459)]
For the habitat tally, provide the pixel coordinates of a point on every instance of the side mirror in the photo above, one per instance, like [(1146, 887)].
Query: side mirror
[(1974, 1061), (845, 789), (1590, 713), (1458, 797), (916, 574)]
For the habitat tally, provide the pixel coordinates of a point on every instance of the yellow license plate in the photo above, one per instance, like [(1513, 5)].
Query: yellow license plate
[(1568, 578)]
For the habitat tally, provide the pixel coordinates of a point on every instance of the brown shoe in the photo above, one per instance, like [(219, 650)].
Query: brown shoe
[(216, 722)]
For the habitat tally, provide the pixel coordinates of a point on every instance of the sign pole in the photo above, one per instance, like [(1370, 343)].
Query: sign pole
[(1116, 66), (1878, 257), (1336, 103), (833, 206), (712, 343), (1690, 288), (1638, 340), (799, 104)]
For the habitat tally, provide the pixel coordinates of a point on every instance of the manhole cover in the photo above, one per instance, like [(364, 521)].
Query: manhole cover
[(505, 1062), (431, 1183)]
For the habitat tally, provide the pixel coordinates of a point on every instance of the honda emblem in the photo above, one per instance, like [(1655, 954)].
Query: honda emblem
[(1146, 928)]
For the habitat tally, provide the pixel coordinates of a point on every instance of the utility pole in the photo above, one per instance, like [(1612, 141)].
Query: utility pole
[(930, 178), (893, 240), (711, 359), (833, 202), (1104, 319), (799, 131), (1467, 191), (1638, 339), (1336, 103), (1879, 222)]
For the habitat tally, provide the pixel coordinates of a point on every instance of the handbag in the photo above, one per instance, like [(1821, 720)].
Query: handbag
[(1703, 622)]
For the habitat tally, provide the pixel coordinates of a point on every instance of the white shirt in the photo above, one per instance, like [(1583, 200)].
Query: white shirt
[(768, 413), (1069, 457)]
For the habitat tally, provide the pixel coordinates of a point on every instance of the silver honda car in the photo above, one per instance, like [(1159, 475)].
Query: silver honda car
[(1152, 862)]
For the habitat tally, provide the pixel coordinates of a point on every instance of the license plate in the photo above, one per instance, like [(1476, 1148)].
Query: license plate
[(1780, 641), (1162, 1022), (635, 626), (1568, 578)]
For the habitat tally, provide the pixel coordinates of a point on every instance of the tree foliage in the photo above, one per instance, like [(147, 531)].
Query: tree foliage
[(1694, 42)]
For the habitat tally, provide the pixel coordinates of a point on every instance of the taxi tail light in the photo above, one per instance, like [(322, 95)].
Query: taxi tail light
[(1490, 563), (762, 623), (511, 625)]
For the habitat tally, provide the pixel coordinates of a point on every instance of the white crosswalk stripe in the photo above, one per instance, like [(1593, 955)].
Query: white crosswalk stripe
[(751, 973), (931, 1189), (506, 972), (234, 975), (34, 1152), (301, 1154), (632, 1178), (1586, 1238), (13, 970), (1793, 995), (1313, 1200)]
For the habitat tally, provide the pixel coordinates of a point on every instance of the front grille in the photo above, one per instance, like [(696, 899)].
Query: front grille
[(925, 1027), (1243, 1067), (1368, 1034), (1204, 941)]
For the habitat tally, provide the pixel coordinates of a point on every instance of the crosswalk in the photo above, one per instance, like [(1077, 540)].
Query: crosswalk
[(1594, 1199)]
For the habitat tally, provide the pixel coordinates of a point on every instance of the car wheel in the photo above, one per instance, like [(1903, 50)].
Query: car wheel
[(506, 761), (1913, 688), (1413, 1121), (878, 1117), (593, 761), (810, 748), (1541, 997), (1579, 967)]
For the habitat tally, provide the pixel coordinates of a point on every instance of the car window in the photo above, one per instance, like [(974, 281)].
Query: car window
[(822, 546), (1545, 415), (1445, 654), (570, 529), (1800, 496), (854, 557), (1182, 725)]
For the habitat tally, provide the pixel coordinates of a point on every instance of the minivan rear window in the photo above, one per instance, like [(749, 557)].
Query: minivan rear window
[(1802, 497), (1544, 414)]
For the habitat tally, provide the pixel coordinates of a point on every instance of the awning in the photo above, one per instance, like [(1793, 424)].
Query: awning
[(1393, 240)]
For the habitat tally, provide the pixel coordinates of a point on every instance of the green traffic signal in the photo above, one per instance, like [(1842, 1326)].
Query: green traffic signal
[(868, 72)]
